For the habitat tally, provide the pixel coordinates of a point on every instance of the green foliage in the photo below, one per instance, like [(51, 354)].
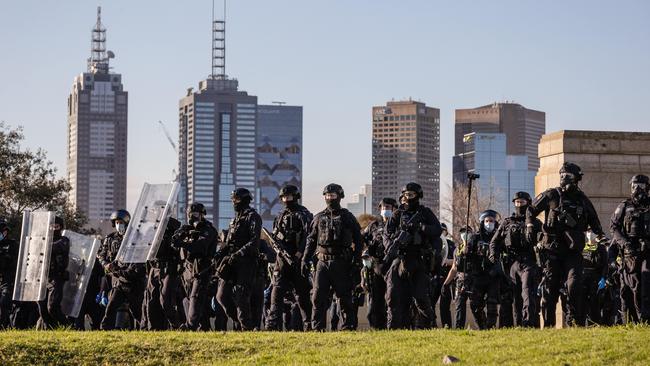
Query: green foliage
[(574, 346), (28, 182)]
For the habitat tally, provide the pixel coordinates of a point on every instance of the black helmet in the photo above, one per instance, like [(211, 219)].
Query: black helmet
[(571, 168), (334, 188), (290, 189), (443, 226), (522, 195), (388, 201), (413, 187), (123, 215), (488, 213), (60, 221), (242, 193), (640, 178), (196, 207)]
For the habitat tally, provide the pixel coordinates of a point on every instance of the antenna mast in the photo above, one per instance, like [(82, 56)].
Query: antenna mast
[(219, 45), (98, 61)]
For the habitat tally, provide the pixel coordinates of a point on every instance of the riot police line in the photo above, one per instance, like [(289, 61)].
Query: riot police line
[(155, 273)]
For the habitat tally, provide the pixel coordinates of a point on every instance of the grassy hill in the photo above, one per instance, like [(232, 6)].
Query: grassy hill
[(592, 346)]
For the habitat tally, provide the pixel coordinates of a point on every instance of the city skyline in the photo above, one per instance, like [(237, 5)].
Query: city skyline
[(582, 64)]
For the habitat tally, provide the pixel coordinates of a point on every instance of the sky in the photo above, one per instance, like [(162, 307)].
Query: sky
[(585, 63)]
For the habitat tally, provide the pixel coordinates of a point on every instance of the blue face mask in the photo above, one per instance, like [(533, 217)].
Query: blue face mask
[(386, 214), (2, 236)]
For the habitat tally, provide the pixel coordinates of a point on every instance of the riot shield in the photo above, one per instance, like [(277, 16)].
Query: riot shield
[(83, 250), (148, 223), (34, 256)]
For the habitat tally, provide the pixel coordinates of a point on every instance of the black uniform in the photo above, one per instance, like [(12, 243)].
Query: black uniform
[(594, 257), (441, 292), (414, 241), (483, 283), (197, 247), (8, 264), (513, 245), (373, 278), (332, 234), (90, 304), (290, 229), (462, 284), (50, 308), (567, 214), (630, 226), (243, 244), (127, 279), (163, 284)]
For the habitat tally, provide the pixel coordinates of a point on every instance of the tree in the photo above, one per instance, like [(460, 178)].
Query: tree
[(365, 220), (28, 182), (454, 206)]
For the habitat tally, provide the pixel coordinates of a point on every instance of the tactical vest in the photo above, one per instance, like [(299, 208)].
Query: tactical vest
[(290, 229), (515, 232), (405, 218), (333, 235), (568, 215), (592, 257), (636, 221)]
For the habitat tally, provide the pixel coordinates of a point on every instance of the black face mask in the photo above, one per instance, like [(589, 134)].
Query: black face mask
[(412, 204), (291, 204), (334, 204), (568, 183), (521, 210), (639, 195), (240, 206), (57, 234)]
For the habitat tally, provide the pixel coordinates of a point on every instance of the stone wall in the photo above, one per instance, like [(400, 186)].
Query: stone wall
[(608, 160)]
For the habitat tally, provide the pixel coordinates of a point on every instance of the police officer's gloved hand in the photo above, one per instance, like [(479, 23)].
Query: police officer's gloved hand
[(601, 283), (214, 303)]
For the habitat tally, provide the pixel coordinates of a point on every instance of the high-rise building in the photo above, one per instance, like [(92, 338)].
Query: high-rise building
[(523, 127), (217, 140), (502, 175), (279, 155), (97, 134), (405, 148), (361, 203)]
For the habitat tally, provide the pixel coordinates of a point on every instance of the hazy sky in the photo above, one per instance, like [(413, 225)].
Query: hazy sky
[(585, 63)]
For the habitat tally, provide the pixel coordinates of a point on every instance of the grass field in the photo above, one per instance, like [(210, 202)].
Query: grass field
[(592, 346)]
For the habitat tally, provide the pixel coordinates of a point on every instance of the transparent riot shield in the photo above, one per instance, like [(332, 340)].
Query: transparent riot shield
[(148, 223), (34, 256), (83, 250)]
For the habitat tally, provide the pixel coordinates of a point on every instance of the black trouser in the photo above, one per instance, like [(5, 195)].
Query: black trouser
[(411, 282), (377, 317), (590, 300), (50, 309), (6, 293), (257, 301), (462, 295), (332, 274), (558, 270), (196, 300), (131, 292), (636, 276), (286, 278), (484, 291), (235, 295), (523, 275), (442, 293), (506, 297), (160, 300)]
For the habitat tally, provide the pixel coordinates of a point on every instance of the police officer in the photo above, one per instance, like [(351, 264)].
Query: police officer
[(290, 229), (50, 308), (197, 242), (594, 279), (243, 246), (128, 279), (630, 226), (412, 253), (440, 291), (515, 245), (8, 264), (568, 213), (163, 284), (374, 269), (484, 284), (333, 232)]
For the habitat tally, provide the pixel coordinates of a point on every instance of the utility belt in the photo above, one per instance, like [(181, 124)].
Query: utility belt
[(332, 253)]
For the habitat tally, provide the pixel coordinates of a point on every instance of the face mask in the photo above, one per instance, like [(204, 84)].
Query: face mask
[(638, 191), (567, 181), (57, 234), (386, 214), (121, 228), (334, 204), (489, 227), (520, 210), (2, 236), (367, 262)]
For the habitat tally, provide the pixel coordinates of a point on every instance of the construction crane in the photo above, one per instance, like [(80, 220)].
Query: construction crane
[(169, 137)]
